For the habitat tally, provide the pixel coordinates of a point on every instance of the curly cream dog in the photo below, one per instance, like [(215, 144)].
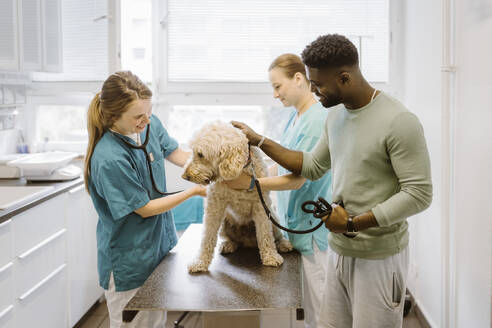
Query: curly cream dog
[(221, 152)]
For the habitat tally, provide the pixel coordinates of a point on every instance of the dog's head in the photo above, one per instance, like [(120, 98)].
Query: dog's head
[(220, 152)]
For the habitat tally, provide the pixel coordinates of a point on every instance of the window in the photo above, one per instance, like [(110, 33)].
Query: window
[(186, 120), (136, 38), (61, 123), (224, 41)]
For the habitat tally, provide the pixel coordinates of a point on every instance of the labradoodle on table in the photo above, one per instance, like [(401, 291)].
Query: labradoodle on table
[(220, 153)]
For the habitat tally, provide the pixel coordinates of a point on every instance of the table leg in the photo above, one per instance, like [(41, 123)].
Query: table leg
[(181, 317), (128, 315)]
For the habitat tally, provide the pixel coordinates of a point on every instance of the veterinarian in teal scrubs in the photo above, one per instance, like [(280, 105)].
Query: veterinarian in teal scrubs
[(302, 132), (135, 228)]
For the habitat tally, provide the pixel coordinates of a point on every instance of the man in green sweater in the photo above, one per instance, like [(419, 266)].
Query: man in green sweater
[(380, 167)]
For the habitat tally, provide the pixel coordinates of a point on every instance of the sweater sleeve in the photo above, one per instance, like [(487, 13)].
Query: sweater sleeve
[(409, 157), (317, 162)]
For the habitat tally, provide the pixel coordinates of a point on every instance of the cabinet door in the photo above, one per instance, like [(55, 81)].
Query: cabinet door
[(37, 224), (6, 246), (7, 295), (51, 21), (9, 55), (39, 262), (82, 253), (45, 305), (30, 35)]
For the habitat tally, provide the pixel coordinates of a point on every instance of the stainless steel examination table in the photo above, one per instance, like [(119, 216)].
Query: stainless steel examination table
[(235, 282)]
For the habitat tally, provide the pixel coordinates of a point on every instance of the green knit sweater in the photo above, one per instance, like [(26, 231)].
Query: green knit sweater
[(379, 162)]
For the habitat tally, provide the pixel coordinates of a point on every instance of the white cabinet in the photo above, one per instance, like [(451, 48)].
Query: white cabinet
[(6, 245), (6, 275), (29, 14), (40, 261), (7, 295), (82, 253), (30, 35), (37, 224), (9, 56), (52, 35), (45, 305), (48, 263)]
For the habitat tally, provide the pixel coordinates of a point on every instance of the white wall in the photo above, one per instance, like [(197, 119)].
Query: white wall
[(422, 95), (472, 177), (467, 290)]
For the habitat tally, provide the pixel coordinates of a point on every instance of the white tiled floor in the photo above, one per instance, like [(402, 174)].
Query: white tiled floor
[(97, 317)]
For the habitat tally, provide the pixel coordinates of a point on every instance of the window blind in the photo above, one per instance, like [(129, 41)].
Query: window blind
[(224, 40), (85, 42)]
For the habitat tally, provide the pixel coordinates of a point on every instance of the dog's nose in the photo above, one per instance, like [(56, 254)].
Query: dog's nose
[(207, 181)]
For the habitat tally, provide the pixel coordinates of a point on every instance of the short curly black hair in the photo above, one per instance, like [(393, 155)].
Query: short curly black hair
[(331, 50)]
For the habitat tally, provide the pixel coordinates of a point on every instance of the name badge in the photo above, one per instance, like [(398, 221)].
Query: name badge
[(151, 157)]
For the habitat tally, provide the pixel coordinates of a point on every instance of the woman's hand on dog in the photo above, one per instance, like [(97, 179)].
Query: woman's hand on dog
[(200, 190), (253, 137), (242, 182)]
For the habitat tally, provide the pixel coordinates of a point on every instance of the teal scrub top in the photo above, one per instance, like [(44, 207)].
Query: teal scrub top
[(128, 245), (303, 136)]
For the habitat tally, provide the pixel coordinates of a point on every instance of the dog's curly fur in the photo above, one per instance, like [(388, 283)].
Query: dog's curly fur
[(220, 153)]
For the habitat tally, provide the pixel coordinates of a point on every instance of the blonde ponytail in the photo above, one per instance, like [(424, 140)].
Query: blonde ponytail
[(95, 128)]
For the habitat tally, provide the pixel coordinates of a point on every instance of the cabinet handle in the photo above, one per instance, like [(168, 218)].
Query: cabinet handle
[(5, 267), (3, 224), (7, 310), (74, 190), (41, 283), (41, 244), (108, 17)]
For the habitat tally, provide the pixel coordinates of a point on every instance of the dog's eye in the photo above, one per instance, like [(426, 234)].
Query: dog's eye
[(200, 155)]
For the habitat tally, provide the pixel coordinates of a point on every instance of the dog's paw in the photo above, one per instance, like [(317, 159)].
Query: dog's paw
[(227, 246), (284, 246), (273, 260), (197, 266)]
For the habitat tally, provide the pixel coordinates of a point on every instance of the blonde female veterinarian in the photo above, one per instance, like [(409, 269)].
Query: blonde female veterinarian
[(135, 228), (287, 76)]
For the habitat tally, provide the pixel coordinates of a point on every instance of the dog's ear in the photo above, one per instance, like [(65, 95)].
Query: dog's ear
[(232, 160)]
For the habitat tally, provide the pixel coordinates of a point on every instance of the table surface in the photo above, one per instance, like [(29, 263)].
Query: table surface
[(235, 282)]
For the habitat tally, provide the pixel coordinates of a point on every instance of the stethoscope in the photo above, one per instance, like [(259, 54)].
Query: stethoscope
[(149, 157), (319, 209)]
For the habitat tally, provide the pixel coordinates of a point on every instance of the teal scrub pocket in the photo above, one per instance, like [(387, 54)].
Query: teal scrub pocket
[(132, 265)]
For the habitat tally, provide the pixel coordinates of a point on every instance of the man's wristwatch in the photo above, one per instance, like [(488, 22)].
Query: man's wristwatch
[(350, 224)]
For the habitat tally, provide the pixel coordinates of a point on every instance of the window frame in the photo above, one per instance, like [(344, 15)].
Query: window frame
[(253, 93)]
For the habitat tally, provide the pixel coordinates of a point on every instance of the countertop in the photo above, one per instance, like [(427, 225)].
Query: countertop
[(235, 282), (59, 188)]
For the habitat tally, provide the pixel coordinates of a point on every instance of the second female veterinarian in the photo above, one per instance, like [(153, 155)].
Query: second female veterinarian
[(135, 229), (287, 76)]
